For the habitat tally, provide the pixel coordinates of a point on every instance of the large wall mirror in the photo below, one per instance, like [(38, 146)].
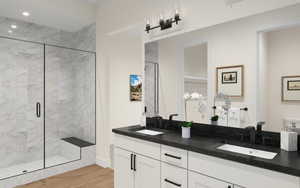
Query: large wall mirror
[(245, 71), (279, 77)]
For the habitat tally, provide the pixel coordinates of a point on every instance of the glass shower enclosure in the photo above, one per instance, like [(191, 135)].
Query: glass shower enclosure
[(47, 101)]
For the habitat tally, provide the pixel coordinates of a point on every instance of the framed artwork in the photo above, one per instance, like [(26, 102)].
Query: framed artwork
[(135, 87), (230, 80), (229, 77), (290, 87)]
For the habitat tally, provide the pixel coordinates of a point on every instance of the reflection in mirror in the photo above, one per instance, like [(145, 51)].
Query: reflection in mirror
[(280, 77), (151, 79), (253, 61), (195, 83)]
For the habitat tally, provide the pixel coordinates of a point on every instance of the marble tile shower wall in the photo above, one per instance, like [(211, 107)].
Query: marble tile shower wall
[(70, 90), (70, 97), (84, 95)]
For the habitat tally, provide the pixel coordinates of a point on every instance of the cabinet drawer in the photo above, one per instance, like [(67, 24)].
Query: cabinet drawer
[(172, 176), (174, 156), (200, 181), (138, 146)]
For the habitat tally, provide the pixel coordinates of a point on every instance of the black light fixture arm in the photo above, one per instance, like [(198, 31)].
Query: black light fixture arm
[(164, 24)]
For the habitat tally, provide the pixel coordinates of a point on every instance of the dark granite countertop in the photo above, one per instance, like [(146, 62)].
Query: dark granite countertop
[(284, 162)]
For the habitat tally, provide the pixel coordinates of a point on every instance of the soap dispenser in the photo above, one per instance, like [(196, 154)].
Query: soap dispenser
[(289, 138)]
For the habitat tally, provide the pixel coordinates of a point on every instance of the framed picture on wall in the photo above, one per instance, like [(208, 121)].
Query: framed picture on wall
[(230, 80), (290, 88), (135, 87)]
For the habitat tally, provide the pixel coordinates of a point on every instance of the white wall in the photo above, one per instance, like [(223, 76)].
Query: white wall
[(124, 20), (116, 61), (283, 60)]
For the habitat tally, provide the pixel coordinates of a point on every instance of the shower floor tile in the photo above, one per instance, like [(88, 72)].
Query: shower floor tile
[(56, 160), (31, 166)]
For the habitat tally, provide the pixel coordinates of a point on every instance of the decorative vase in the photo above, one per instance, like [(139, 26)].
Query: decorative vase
[(214, 122), (186, 132)]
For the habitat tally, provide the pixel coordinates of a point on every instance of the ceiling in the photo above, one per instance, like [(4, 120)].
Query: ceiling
[(67, 15)]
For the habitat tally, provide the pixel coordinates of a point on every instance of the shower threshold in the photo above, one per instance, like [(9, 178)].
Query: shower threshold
[(67, 150), (31, 166)]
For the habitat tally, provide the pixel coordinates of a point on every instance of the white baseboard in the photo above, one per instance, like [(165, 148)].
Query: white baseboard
[(103, 163)]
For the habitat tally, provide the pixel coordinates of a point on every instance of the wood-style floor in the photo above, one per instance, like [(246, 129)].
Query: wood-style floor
[(87, 177)]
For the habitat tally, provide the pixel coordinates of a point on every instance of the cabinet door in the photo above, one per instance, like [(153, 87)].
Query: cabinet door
[(200, 181), (147, 172), (123, 173)]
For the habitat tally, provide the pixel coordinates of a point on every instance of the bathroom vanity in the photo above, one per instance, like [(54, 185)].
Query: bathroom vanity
[(230, 75), (168, 161)]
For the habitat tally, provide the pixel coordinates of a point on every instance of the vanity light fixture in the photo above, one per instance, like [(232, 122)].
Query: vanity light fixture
[(25, 13), (164, 23)]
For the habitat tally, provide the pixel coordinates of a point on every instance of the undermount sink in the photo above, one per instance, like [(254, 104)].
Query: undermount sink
[(248, 151), (149, 132)]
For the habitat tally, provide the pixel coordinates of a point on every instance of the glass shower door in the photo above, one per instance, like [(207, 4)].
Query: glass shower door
[(21, 107)]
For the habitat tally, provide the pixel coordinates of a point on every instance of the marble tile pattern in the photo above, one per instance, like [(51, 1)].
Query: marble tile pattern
[(70, 97), (70, 90)]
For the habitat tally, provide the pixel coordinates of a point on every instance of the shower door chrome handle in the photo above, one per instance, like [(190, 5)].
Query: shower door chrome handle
[(38, 109)]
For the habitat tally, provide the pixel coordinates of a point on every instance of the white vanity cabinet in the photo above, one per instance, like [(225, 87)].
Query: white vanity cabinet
[(143, 164), (132, 169), (200, 181)]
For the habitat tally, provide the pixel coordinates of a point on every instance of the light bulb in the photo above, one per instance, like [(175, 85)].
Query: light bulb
[(14, 26), (25, 13)]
